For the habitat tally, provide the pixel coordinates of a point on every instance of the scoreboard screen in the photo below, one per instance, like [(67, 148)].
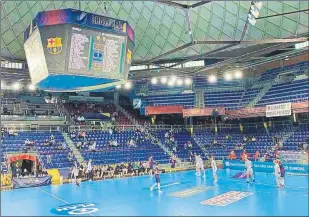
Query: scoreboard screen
[(95, 53), (77, 51)]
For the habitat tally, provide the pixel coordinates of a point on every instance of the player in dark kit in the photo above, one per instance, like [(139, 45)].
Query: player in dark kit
[(157, 177)]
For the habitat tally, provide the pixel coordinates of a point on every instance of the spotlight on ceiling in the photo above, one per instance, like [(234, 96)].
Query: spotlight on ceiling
[(179, 82), (228, 76), (128, 85), (188, 81), (171, 82), (238, 74), (163, 80), (154, 80), (118, 86), (212, 79), (31, 87), (173, 78), (16, 86)]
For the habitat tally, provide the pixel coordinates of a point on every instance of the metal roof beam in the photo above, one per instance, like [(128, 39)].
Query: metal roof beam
[(282, 14), (265, 41), (198, 4), (252, 54), (173, 4)]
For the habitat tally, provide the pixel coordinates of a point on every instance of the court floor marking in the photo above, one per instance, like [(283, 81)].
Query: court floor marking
[(164, 186), (58, 198), (255, 191), (220, 200)]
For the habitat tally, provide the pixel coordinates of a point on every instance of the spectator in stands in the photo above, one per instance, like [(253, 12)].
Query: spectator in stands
[(263, 159), (130, 169), (79, 145), (256, 156), (84, 135), (114, 143), (191, 156), (104, 171), (73, 135), (92, 147), (11, 132), (70, 156), (232, 155), (2, 132), (48, 159), (132, 143), (135, 168), (59, 146), (253, 139), (124, 169), (28, 142), (110, 131)]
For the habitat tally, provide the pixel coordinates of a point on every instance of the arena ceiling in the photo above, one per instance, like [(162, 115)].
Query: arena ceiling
[(160, 27)]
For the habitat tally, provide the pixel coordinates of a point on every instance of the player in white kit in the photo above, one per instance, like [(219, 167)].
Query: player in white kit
[(214, 168), (277, 173), (200, 166), (249, 170)]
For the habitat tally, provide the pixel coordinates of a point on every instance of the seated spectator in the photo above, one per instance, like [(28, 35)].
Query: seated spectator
[(79, 145), (132, 143), (84, 135), (73, 135), (263, 159), (12, 132), (189, 144), (48, 159), (51, 137), (113, 143), (232, 155), (70, 156), (256, 156), (124, 169), (92, 146), (64, 146), (253, 139), (28, 142), (59, 146), (110, 131)]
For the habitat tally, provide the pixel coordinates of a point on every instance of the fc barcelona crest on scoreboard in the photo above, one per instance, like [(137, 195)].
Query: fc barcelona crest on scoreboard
[(54, 45)]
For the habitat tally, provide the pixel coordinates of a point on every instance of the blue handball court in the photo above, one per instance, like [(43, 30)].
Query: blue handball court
[(183, 194)]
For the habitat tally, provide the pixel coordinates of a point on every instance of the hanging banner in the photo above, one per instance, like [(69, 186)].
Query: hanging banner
[(277, 110)]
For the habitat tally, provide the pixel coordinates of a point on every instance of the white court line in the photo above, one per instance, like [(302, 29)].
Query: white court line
[(58, 198), (259, 183), (163, 186)]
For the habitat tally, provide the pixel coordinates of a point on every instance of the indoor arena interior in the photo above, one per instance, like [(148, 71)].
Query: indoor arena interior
[(154, 108)]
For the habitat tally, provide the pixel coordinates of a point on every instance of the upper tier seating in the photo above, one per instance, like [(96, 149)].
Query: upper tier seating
[(297, 69), (187, 100), (227, 99), (78, 109), (296, 91)]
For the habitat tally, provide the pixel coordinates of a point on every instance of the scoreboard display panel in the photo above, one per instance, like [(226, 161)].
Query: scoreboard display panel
[(71, 49)]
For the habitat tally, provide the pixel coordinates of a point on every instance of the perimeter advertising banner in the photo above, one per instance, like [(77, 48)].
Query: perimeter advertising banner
[(265, 166), (31, 182)]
